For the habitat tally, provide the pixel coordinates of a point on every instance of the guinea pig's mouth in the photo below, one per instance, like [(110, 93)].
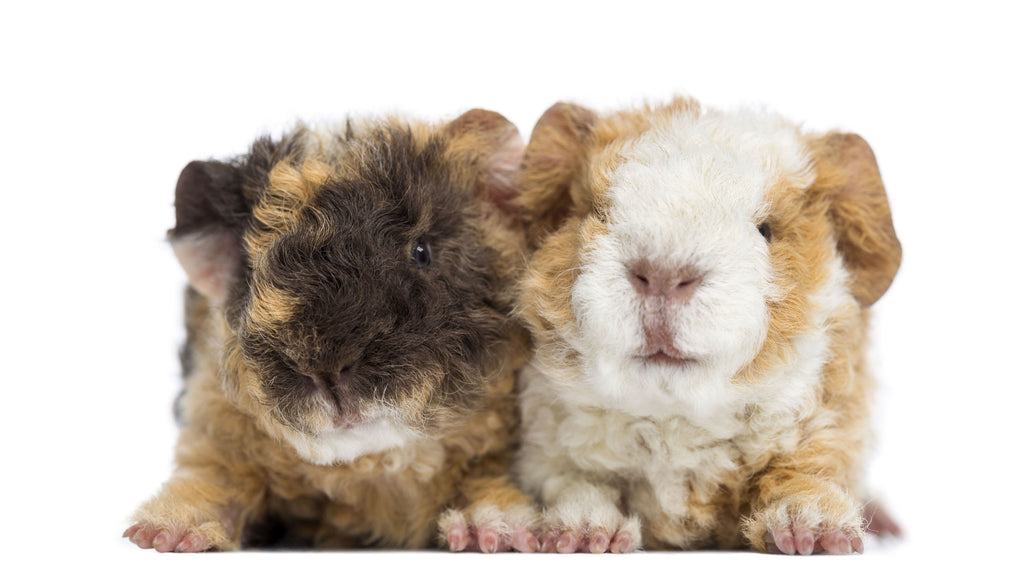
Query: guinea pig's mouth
[(662, 357), (349, 419), (343, 413), (347, 415)]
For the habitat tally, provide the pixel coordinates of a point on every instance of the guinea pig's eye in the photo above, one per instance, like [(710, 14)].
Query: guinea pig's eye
[(421, 254), (765, 230)]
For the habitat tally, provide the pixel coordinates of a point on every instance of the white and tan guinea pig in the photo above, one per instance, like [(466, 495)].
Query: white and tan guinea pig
[(699, 293)]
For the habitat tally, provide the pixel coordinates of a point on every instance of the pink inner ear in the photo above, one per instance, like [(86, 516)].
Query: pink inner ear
[(210, 260), (499, 185)]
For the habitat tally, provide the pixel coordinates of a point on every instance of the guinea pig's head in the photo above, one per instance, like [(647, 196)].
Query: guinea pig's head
[(363, 276), (679, 252)]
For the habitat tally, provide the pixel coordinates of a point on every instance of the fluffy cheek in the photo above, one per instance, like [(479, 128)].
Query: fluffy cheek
[(605, 305), (728, 318)]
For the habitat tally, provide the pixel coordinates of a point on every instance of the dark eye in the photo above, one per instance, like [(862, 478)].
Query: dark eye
[(421, 254), (765, 230)]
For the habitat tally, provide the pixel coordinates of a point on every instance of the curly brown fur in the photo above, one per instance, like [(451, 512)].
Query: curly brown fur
[(351, 354)]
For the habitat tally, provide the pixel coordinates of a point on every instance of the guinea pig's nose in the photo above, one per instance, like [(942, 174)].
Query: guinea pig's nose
[(675, 284), (339, 379)]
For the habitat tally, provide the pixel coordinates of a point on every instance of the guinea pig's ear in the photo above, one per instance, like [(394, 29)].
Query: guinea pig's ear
[(552, 159), (848, 176), (208, 202), (491, 143)]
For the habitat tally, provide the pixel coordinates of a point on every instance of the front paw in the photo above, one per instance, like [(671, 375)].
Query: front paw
[(167, 525), (490, 529), (825, 519), (616, 534), (170, 538)]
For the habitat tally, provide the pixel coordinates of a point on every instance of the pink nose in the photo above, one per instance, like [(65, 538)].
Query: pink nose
[(674, 284)]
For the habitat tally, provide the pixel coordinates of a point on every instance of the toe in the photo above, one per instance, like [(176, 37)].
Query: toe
[(804, 539), (193, 543), (458, 538), (622, 543), (524, 541), (567, 543), (164, 542), (548, 542), (784, 541), (835, 542), (143, 537), (488, 540), (598, 542)]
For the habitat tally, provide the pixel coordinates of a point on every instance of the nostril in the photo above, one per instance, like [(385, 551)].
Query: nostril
[(325, 375), (314, 380), (639, 275), (686, 288), (640, 281), (344, 375), (688, 283)]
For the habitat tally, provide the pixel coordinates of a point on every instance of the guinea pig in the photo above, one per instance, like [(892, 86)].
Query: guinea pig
[(698, 291), (350, 352)]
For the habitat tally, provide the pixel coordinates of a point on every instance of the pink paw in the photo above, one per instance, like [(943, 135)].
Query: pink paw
[(166, 540), (880, 522), (815, 516), (490, 540), (593, 540), (488, 534), (798, 540)]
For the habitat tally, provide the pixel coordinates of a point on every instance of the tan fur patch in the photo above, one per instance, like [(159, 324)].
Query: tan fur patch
[(270, 305), (290, 189), (800, 259), (848, 178)]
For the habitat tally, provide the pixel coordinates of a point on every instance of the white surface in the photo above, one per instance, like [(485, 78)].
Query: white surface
[(103, 104)]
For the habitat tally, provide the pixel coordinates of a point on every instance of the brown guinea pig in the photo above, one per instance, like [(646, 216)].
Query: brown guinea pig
[(699, 293), (350, 351)]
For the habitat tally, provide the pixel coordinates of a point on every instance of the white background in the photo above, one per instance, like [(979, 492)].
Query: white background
[(102, 104)]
